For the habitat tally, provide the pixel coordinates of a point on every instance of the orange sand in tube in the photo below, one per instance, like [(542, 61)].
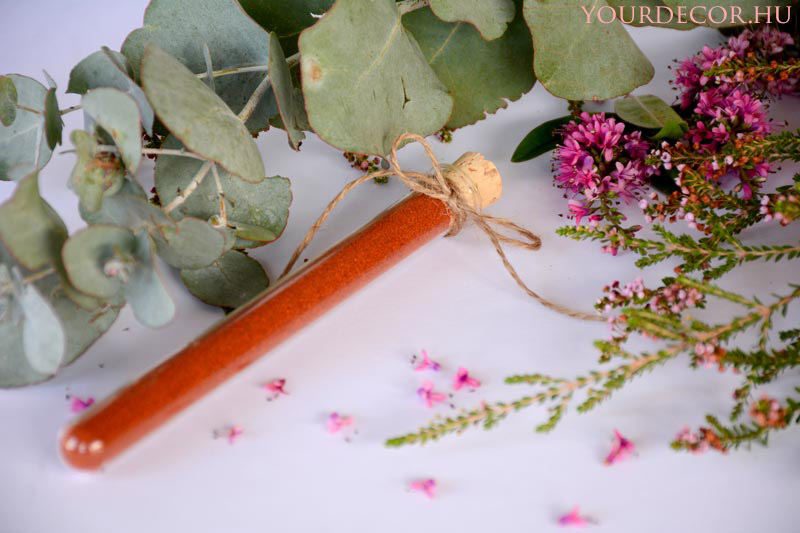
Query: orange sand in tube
[(110, 428)]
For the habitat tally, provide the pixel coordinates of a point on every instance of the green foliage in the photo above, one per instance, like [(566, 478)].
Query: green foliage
[(490, 17), (23, 146), (118, 115), (8, 101), (480, 76), (229, 282), (286, 19), (651, 112), (288, 99), (365, 80), (53, 124)]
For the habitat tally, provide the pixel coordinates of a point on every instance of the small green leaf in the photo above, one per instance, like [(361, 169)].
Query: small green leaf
[(191, 243), (366, 81), (229, 282), (541, 139), (490, 17), (23, 148), (646, 111), (30, 229), (8, 101), (145, 291), (106, 68), (99, 259), (118, 114), (198, 117), (94, 176), (286, 19), (673, 130), (285, 95), (43, 337), (53, 124)]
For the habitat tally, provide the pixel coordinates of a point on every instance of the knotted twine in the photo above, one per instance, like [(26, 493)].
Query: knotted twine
[(439, 187)]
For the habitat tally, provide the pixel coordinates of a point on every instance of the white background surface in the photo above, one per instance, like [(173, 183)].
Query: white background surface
[(453, 298)]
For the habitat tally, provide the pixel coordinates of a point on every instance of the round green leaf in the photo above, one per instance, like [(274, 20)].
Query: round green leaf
[(23, 147), (145, 291), (86, 253), (29, 228), (490, 17), (366, 81), (106, 68), (231, 281), (184, 27), (579, 61), (191, 243), (480, 76), (43, 338), (286, 19), (118, 114), (198, 117), (8, 101), (258, 212)]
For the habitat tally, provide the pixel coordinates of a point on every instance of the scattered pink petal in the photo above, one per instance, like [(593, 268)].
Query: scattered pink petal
[(427, 362), (621, 449), (427, 486), (431, 397), (78, 405), (574, 518), (276, 388), (463, 379), (337, 422), (232, 433)]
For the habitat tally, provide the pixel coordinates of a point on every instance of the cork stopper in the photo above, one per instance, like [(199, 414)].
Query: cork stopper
[(476, 178)]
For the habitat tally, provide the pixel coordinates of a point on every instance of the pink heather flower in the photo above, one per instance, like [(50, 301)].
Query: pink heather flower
[(574, 518), (78, 405), (232, 433), (431, 397), (276, 387), (621, 449), (337, 422), (462, 379), (597, 157), (426, 486), (427, 362)]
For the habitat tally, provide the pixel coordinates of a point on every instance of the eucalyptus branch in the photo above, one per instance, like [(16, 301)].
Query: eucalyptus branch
[(233, 70), (223, 213), (255, 98), (70, 109), (193, 185), (28, 109), (6, 288)]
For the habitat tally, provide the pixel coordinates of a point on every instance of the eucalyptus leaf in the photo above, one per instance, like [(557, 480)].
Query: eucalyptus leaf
[(541, 139), (489, 17), (43, 338), (202, 121), (480, 76), (81, 326), (646, 111), (23, 147), (721, 17), (8, 101), (285, 96), (95, 176), (366, 81), (117, 113), (286, 19), (579, 61), (106, 68), (145, 291), (99, 259), (183, 27), (229, 282), (191, 243), (258, 212), (30, 229), (53, 124)]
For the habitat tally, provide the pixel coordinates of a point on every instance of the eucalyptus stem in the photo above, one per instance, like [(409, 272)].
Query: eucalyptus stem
[(32, 278), (70, 109), (29, 109), (167, 151), (233, 70), (193, 185), (223, 213), (255, 98)]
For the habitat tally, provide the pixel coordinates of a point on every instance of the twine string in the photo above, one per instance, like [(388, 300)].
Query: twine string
[(438, 186)]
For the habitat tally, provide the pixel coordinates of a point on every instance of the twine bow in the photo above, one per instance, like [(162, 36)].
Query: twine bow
[(438, 186)]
